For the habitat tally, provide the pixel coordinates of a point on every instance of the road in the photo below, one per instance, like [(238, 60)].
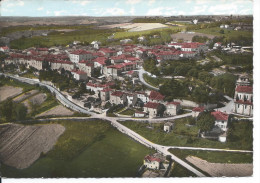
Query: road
[(119, 126), (141, 77)]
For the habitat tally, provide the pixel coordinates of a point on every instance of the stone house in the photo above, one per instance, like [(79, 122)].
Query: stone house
[(172, 108)]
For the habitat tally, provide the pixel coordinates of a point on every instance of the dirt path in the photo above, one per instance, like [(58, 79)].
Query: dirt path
[(21, 146), (222, 169), (57, 111), (9, 91)]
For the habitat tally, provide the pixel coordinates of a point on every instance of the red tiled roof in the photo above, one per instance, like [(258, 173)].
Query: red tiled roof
[(152, 105), (4, 48), (119, 57), (117, 93), (119, 66), (80, 52), (244, 89), (218, 115), (198, 109), (79, 72), (156, 96), (151, 158), (174, 103), (107, 89)]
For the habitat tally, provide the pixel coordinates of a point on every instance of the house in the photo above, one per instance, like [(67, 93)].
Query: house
[(79, 55), (243, 80), (59, 64), (151, 109), (105, 94), (116, 70), (97, 87), (79, 75), (172, 108), (167, 127), (142, 96), (156, 97), (108, 52), (244, 100), (95, 44), (221, 120), (156, 162), (196, 111), (118, 97), (217, 45), (152, 162), (125, 41), (139, 114), (141, 39), (4, 49), (86, 66)]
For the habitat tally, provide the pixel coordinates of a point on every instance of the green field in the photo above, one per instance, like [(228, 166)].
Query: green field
[(125, 34), (227, 33), (86, 36), (183, 135), (215, 157), (128, 112), (87, 149)]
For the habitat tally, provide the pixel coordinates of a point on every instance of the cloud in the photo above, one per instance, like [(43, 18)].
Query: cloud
[(151, 2), (161, 11), (59, 13), (13, 3), (113, 12), (81, 2), (132, 11), (40, 8), (133, 1)]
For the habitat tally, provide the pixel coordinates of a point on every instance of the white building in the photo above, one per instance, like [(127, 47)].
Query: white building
[(167, 127), (79, 75), (172, 108), (79, 55), (221, 120)]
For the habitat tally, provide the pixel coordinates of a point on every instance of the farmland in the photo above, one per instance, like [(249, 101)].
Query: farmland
[(87, 149)]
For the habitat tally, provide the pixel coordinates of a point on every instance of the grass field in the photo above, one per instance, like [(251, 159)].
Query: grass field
[(87, 149), (179, 171), (227, 33), (86, 36), (125, 34), (128, 112), (215, 157), (183, 135)]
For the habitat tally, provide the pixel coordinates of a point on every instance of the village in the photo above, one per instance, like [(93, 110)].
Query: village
[(189, 84)]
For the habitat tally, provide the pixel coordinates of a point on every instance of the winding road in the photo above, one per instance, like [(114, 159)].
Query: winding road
[(119, 126)]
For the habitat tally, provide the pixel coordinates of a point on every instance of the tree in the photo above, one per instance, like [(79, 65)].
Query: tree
[(6, 109), (205, 122), (20, 111), (222, 31), (160, 110)]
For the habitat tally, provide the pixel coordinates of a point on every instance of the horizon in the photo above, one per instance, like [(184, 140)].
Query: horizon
[(112, 8)]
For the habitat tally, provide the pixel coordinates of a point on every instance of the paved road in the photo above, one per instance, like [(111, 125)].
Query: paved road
[(141, 77)]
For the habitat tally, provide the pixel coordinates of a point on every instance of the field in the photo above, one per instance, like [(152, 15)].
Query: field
[(215, 157), (183, 135), (222, 169), (85, 35), (125, 34), (21, 145), (9, 91), (135, 27), (227, 33), (87, 149), (188, 36), (58, 110)]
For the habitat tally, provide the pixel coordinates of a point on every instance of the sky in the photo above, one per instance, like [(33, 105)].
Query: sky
[(42, 8)]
